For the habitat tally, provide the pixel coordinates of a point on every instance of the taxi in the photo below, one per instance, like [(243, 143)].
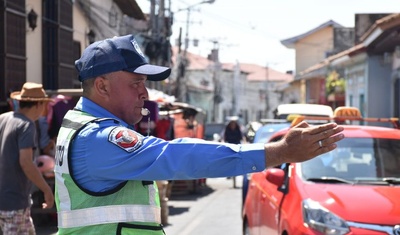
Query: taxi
[(352, 190)]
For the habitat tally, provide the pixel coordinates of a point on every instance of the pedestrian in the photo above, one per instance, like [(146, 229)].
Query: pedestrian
[(46, 145), (105, 170), (17, 168), (233, 133)]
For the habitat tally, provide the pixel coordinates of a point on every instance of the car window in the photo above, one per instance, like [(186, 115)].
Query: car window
[(357, 159), (211, 129), (264, 133)]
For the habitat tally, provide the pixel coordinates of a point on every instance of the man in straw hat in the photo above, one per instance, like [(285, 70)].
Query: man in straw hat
[(17, 168), (105, 170)]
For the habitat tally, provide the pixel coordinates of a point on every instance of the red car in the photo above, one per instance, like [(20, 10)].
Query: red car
[(352, 190)]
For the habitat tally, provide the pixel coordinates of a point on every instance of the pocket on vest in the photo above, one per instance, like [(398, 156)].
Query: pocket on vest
[(139, 229)]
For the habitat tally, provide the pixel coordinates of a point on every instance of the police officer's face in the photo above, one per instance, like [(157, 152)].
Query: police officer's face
[(127, 94)]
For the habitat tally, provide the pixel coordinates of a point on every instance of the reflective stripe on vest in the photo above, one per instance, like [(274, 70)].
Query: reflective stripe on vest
[(108, 214)]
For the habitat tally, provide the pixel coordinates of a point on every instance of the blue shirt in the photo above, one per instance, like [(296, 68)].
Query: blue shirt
[(99, 163)]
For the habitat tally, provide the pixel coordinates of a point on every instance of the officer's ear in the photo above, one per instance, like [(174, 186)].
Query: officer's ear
[(101, 86)]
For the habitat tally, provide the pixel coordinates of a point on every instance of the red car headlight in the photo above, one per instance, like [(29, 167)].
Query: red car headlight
[(321, 219)]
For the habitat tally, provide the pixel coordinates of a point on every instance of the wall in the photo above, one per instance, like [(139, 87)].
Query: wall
[(235, 93), (343, 39), (81, 26), (291, 93), (356, 81), (379, 87), (255, 100), (99, 18), (311, 49), (226, 79), (34, 44), (201, 97)]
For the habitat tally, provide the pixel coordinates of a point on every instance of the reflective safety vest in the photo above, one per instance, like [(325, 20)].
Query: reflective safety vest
[(133, 207)]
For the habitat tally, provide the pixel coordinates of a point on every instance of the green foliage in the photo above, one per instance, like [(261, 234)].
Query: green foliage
[(334, 84)]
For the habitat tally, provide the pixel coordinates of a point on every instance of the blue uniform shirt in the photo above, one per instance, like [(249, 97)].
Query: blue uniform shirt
[(104, 155)]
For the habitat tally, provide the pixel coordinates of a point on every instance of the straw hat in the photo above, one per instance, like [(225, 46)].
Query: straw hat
[(30, 92)]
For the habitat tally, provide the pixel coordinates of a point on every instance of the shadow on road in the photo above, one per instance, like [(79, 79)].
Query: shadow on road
[(202, 192), (193, 196)]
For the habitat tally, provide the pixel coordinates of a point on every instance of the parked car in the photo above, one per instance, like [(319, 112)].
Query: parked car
[(213, 131), (251, 129), (351, 190), (262, 135), (285, 112)]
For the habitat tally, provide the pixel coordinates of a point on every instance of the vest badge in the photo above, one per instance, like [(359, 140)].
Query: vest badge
[(125, 138)]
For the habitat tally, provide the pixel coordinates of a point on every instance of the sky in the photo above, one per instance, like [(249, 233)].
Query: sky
[(251, 31)]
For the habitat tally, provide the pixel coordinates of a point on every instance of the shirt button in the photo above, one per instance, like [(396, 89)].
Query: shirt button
[(254, 168)]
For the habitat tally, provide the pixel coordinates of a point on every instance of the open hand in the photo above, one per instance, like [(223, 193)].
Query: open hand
[(303, 142)]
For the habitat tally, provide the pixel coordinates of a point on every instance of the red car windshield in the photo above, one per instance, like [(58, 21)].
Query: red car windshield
[(357, 159)]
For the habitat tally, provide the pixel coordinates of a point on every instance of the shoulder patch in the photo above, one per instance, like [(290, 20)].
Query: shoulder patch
[(125, 138)]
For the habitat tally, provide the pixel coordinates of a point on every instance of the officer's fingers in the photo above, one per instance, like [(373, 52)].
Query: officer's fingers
[(302, 124), (328, 144), (322, 129), (325, 149), (332, 139)]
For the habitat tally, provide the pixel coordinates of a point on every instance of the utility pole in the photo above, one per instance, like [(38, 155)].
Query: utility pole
[(267, 91), (216, 67), (235, 88), (153, 20), (181, 86), (180, 92)]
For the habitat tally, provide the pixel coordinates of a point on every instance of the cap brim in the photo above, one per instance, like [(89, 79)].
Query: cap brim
[(153, 72)]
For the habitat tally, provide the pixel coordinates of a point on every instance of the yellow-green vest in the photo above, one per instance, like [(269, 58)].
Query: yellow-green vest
[(133, 207)]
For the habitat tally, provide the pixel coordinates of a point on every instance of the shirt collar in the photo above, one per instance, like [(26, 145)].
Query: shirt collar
[(86, 105)]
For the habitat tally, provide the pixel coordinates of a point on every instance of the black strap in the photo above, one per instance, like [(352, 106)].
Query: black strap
[(138, 226)]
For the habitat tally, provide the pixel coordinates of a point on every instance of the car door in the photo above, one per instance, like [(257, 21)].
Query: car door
[(270, 200)]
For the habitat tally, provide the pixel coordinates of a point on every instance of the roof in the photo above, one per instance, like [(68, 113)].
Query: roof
[(349, 52), (290, 42), (131, 9), (387, 24), (259, 73), (196, 62), (255, 72), (390, 22)]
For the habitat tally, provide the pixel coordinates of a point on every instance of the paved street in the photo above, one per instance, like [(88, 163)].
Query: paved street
[(214, 211)]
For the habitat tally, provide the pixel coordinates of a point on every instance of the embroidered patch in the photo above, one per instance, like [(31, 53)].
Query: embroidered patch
[(125, 138)]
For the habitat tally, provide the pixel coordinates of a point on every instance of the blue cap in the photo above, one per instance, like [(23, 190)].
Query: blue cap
[(117, 54)]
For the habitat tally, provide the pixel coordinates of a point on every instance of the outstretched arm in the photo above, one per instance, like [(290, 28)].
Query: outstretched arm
[(302, 143)]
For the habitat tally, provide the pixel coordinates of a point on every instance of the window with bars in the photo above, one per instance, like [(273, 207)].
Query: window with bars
[(59, 49), (12, 49), (58, 45)]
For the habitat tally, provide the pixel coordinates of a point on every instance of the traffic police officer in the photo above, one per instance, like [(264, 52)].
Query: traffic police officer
[(105, 171)]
